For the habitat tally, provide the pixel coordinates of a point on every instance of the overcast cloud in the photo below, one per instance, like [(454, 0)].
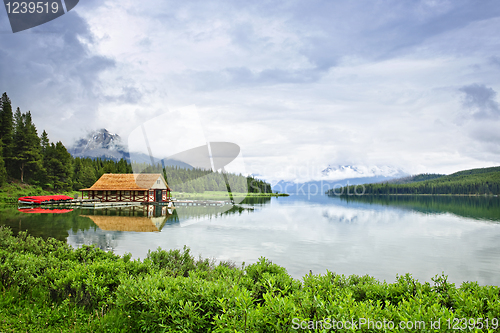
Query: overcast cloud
[(297, 84)]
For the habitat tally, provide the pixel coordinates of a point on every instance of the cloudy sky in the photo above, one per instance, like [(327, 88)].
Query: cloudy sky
[(298, 85)]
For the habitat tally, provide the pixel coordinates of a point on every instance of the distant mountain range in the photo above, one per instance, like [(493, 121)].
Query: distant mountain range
[(340, 172), (105, 145), (341, 175)]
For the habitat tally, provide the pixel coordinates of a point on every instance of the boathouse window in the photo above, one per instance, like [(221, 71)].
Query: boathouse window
[(127, 192), (158, 181)]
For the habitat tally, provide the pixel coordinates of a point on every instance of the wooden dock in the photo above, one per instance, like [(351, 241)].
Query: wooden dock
[(98, 205)]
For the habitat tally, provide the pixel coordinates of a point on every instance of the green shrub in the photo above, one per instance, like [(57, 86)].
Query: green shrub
[(171, 304)]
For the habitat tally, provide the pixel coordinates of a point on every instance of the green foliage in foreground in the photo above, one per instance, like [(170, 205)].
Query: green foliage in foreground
[(49, 286)]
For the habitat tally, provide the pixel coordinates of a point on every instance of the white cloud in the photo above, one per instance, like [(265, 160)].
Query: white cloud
[(296, 85)]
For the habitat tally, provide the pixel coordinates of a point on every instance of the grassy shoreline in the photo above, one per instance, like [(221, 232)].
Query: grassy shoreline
[(9, 193), (48, 286)]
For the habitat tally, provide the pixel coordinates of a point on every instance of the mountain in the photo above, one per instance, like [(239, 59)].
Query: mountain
[(321, 186), (340, 175), (350, 171), (100, 144), (105, 145)]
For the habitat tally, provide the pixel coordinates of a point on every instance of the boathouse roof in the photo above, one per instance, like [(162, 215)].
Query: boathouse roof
[(129, 182)]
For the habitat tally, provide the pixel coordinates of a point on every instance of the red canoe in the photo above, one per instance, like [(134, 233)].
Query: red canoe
[(37, 200)]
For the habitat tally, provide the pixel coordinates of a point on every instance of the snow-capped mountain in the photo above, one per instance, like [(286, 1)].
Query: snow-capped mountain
[(351, 171), (103, 144), (100, 143), (340, 175)]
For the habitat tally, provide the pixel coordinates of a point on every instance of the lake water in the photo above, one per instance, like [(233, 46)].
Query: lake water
[(378, 236)]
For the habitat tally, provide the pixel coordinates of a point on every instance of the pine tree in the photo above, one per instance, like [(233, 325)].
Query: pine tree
[(26, 156), (44, 141), (6, 130), (59, 166), (84, 173), (3, 171)]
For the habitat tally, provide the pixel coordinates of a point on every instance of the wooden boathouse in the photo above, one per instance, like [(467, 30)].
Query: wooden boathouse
[(128, 187)]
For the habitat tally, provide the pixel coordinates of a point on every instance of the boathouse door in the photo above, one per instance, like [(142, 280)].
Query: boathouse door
[(158, 195)]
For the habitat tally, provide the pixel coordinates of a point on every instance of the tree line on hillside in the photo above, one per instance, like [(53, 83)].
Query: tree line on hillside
[(470, 182), (416, 178), (200, 180), (32, 159)]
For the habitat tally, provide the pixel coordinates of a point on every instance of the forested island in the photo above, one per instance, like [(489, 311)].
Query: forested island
[(484, 181), (31, 165)]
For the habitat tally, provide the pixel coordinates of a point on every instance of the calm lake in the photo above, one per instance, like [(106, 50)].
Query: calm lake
[(378, 236)]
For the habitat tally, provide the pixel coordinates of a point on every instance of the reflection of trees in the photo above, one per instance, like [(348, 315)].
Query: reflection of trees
[(44, 225), (476, 207), (256, 200), (189, 212), (84, 231), (105, 240)]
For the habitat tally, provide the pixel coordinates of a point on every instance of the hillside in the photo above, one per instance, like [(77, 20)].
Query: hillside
[(485, 181), (416, 178)]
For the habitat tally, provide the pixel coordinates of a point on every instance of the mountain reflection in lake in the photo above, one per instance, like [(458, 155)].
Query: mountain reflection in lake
[(379, 236)]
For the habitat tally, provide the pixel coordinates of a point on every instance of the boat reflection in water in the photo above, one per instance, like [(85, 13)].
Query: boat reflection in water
[(141, 218), (40, 210)]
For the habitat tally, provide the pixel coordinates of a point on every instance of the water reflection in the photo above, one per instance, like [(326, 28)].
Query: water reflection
[(250, 200), (379, 236), (189, 215), (46, 224), (44, 210), (476, 207), (143, 218)]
